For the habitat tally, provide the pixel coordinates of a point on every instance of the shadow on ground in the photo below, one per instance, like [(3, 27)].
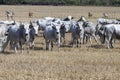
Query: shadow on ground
[(97, 46)]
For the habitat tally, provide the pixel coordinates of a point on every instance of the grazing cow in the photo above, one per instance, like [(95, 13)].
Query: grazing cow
[(105, 15), (90, 14), (89, 30), (52, 34), (108, 33), (30, 14), (16, 35), (10, 15), (107, 21)]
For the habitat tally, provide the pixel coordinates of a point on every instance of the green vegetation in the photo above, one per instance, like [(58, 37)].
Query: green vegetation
[(63, 2)]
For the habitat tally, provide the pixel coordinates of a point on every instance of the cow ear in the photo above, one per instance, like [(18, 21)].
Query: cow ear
[(31, 25), (53, 27), (22, 26), (13, 22), (77, 24), (72, 18)]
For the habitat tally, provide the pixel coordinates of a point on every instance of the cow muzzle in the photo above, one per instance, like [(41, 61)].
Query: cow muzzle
[(6, 33), (26, 34), (36, 34), (57, 32)]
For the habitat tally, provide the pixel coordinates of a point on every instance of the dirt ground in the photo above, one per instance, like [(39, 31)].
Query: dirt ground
[(93, 62)]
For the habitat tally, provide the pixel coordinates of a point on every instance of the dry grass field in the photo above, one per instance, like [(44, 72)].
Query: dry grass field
[(85, 63)]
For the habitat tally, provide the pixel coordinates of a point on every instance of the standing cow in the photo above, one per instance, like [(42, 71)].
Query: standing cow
[(16, 35), (3, 33), (10, 15), (52, 34), (89, 30), (77, 32)]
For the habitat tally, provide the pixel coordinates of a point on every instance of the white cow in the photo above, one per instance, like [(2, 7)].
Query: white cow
[(3, 33), (52, 34), (10, 15)]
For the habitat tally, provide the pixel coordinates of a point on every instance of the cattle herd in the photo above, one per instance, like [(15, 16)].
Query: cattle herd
[(16, 34)]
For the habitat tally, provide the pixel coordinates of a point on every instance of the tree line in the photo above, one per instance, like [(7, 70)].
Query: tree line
[(63, 2)]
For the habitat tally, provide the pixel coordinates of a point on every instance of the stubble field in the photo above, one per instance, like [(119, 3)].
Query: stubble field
[(86, 63)]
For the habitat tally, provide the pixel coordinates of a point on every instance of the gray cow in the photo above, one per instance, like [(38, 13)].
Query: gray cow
[(10, 15), (3, 33), (16, 35), (32, 33), (52, 34), (108, 32), (77, 32), (89, 30)]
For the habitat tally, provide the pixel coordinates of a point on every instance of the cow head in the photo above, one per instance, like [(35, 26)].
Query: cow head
[(82, 18), (69, 18), (100, 33), (35, 27), (102, 37), (56, 28), (62, 28), (23, 32)]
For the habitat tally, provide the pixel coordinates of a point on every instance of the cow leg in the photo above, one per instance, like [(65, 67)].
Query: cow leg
[(21, 47), (87, 38), (77, 42), (47, 45), (33, 44), (11, 45), (27, 46), (81, 39), (64, 39), (61, 41), (111, 43), (51, 46), (108, 42), (84, 37), (27, 49), (5, 45), (72, 42), (90, 40), (95, 39), (15, 47)]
